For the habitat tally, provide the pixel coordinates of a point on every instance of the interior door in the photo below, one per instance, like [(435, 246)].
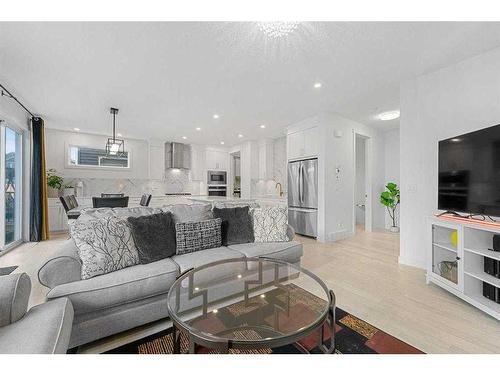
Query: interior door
[(293, 184), (309, 176)]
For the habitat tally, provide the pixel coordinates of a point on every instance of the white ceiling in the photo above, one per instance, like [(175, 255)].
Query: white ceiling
[(169, 78)]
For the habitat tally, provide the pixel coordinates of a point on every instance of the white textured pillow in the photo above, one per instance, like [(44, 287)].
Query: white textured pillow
[(104, 245), (270, 224)]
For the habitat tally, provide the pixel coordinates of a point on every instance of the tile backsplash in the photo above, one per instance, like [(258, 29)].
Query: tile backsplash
[(176, 181)]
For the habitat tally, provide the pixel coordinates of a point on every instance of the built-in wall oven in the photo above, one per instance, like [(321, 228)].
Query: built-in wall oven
[(217, 190), (216, 178)]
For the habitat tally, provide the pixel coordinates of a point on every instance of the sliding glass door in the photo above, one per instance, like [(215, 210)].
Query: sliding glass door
[(10, 183)]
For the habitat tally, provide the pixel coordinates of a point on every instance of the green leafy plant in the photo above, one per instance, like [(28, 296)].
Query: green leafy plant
[(54, 180), (390, 198)]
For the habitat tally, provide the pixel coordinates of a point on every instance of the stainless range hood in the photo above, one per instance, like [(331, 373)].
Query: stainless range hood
[(177, 155)]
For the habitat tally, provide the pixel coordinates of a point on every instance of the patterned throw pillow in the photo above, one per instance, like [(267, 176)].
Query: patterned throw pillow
[(104, 245), (270, 224), (201, 235)]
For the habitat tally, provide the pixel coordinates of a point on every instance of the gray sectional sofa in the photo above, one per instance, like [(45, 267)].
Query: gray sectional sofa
[(107, 304)]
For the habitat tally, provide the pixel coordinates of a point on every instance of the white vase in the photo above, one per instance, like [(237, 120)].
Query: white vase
[(394, 229)]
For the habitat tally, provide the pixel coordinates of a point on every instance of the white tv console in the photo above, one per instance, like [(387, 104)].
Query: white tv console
[(473, 241)]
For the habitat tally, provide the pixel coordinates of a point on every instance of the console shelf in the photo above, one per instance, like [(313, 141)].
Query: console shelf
[(456, 260), (484, 252)]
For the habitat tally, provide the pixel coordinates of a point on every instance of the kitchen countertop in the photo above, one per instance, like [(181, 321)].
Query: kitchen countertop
[(206, 198)]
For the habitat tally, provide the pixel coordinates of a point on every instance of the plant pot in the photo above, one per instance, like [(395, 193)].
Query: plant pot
[(394, 229), (52, 193)]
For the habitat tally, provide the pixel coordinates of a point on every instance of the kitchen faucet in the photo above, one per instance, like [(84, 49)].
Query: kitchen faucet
[(278, 184)]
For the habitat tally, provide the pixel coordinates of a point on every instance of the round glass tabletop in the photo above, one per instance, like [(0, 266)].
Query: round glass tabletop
[(249, 301)]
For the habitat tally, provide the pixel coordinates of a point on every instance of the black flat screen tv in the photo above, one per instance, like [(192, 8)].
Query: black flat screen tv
[(469, 173)]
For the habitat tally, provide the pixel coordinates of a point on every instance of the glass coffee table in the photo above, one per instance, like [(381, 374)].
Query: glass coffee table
[(251, 303)]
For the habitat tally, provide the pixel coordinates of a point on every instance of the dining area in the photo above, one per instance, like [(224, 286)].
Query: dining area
[(73, 208)]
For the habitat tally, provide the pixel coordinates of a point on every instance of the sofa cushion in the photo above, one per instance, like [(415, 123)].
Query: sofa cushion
[(236, 225), (288, 251), (104, 245), (154, 236), (119, 287), (196, 236), (202, 257), (189, 212), (270, 224), (14, 295), (45, 329)]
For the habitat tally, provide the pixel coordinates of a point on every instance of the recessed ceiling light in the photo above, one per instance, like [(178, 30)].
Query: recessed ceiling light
[(240, 135), (455, 139), (76, 129), (216, 116), (317, 85), (184, 137), (386, 116), (221, 142), (263, 126), (198, 129)]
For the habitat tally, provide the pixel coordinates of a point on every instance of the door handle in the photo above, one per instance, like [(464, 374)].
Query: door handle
[(300, 183), (303, 181)]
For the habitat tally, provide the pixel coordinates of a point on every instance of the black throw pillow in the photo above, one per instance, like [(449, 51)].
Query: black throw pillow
[(154, 236), (236, 225)]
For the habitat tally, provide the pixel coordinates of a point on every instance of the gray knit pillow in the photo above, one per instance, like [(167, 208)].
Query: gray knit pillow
[(195, 236)]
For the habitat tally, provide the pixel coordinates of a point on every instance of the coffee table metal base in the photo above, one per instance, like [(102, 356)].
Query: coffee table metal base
[(223, 346)]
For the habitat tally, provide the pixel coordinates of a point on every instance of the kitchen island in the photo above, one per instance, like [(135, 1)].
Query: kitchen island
[(265, 201)]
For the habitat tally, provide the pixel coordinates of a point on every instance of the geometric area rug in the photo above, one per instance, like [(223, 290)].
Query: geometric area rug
[(353, 336)]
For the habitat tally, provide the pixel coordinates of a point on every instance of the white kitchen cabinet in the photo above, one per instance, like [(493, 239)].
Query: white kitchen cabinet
[(157, 162), (57, 216), (198, 167), (303, 143), (311, 142), (216, 160)]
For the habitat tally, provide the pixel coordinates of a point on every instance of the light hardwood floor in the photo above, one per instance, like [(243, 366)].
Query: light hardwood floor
[(368, 282)]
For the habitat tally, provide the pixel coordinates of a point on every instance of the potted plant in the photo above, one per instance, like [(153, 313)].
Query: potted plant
[(54, 182), (390, 198)]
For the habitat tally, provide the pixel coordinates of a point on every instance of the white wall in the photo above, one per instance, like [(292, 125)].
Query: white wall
[(57, 142), (458, 99), (391, 166)]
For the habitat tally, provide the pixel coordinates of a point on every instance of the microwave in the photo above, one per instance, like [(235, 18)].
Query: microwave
[(216, 178)]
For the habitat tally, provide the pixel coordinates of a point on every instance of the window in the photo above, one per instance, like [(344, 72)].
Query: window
[(92, 157), (11, 199)]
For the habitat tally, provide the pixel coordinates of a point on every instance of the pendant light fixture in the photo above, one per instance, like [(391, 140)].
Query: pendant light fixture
[(115, 146)]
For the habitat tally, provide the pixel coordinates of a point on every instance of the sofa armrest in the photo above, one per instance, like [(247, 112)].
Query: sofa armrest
[(15, 292), (64, 267), (290, 232)]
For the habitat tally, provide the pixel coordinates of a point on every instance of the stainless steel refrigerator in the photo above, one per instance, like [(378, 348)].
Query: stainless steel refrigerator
[(303, 196)]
